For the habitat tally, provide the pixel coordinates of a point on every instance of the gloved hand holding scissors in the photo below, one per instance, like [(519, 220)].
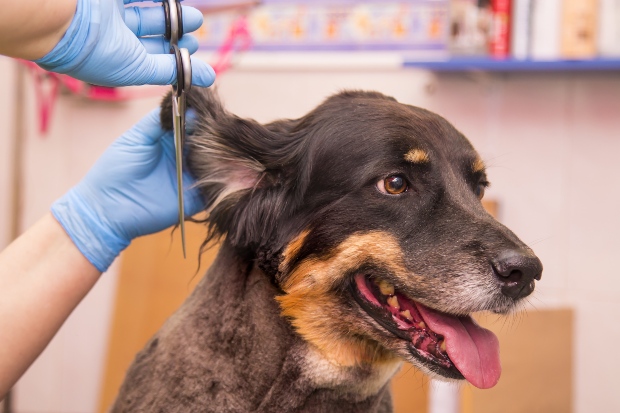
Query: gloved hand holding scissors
[(99, 41)]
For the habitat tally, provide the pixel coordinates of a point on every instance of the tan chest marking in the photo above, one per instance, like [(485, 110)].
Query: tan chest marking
[(318, 313)]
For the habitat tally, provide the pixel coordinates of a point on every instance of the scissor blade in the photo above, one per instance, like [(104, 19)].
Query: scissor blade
[(178, 149)]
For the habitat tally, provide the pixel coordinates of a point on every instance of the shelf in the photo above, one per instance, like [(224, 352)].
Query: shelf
[(462, 64)]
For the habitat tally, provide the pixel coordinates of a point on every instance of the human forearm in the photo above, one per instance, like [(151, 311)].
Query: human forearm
[(131, 191), (29, 29), (110, 43), (43, 277)]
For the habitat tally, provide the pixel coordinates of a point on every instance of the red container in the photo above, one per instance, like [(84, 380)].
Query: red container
[(499, 45)]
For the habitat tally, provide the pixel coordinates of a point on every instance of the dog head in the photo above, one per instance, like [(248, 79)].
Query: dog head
[(366, 214)]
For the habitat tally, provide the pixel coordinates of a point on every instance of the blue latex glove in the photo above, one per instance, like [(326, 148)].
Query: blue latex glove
[(105, 45), (130, 191)]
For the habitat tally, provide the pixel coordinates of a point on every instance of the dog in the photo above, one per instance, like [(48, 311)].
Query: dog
[(352, 239)]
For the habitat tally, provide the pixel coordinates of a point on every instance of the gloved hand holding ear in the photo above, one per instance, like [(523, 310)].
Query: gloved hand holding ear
[(130, 191), (107, 44)]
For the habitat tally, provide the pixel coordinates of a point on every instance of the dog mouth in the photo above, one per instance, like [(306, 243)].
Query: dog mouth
[(451, 346)]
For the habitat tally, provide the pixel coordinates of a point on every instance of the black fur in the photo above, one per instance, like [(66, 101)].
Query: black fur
[(319, 177), (235, 354), (319, 172)]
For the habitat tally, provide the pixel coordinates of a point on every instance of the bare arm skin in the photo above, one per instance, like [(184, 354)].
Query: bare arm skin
[(43, 277), (29, 29), (44, 274)]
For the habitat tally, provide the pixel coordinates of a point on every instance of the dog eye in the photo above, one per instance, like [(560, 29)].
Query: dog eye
[(480, 191), (393, 185)]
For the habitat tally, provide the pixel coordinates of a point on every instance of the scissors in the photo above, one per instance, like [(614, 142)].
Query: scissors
[(174, 31)]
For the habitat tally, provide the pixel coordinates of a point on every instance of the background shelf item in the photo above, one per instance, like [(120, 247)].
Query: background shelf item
[(342, 25), (439, 35), (515, 65)]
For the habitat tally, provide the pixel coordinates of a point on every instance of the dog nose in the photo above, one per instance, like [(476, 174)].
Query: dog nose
[(517, 270)]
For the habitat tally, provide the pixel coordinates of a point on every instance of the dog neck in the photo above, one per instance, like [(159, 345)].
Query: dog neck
[(228, 345)]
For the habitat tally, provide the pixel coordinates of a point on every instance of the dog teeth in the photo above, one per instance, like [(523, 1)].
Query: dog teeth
[(407, 315), (442, 346), (393, 302), (421, 324), (386, 288)]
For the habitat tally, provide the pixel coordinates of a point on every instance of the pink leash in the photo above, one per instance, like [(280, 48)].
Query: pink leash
[(238, 39)]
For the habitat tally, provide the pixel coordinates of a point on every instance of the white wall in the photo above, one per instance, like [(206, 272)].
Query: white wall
[(66, 377), (6, 149), (7, 115), (550, 141)]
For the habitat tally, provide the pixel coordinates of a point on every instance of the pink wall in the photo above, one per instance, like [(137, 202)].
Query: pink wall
[(551, 143)]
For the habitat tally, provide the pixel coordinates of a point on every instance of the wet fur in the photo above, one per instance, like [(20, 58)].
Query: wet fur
[(272, 327)]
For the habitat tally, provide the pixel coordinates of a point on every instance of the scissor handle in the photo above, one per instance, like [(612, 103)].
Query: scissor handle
[(184, 70), (174, 21), (186, 62)]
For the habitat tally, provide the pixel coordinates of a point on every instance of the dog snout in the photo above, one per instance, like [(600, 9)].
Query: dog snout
[(517, 271)]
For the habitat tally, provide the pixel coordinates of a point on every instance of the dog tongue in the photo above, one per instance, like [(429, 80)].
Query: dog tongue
[(473, 350)]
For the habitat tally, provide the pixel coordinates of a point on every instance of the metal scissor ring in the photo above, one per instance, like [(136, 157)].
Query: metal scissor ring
[(187, 69), (184, 70), (174, 21), (178, 87)]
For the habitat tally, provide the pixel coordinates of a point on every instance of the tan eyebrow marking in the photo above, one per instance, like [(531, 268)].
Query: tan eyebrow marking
[(417, 156), (478, 165)]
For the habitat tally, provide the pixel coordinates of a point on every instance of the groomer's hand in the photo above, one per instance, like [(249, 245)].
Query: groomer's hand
[(109, 45), (130, 191)]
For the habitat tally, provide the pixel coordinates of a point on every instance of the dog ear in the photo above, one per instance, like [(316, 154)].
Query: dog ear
[(238, 166)]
